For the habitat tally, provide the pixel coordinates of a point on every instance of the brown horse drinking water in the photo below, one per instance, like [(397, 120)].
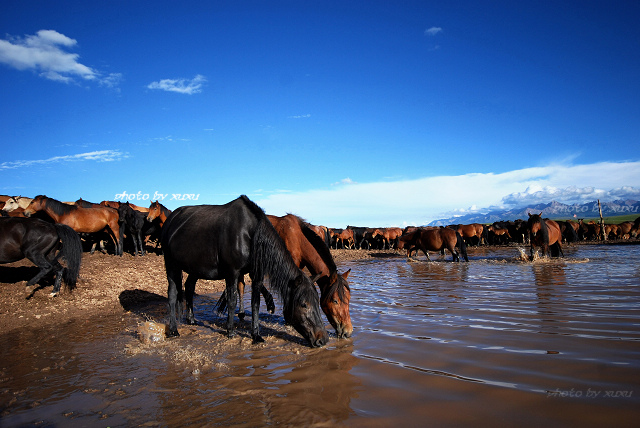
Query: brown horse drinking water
[(82, 220), (546, 234), (308, 250)]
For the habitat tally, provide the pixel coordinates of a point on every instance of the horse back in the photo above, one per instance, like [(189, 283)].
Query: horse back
[(209, 241)]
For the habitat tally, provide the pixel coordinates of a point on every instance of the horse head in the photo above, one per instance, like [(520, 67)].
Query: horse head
[(335, 303), (302, 311), (36, 205)]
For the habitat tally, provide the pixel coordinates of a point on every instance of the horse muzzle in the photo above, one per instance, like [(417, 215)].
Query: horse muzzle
[(319, 339)]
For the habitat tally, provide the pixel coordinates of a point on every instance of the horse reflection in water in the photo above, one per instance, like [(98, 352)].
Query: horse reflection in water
[(226, 242)]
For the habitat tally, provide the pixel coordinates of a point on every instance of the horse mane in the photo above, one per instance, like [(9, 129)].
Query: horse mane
[(59, 208), (325, 254), (269, 256)]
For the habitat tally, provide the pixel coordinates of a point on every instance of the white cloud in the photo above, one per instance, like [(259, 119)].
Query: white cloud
[(432, 31), (421, 201), (99, 156), (181, 86), (304, 116), (46, 53)]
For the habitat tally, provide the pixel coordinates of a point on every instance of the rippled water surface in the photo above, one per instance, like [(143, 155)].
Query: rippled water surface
[(495, 341)]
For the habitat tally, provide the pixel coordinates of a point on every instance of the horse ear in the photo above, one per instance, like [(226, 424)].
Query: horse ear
[(317, 277), (346, 274), (540, 214), (529, 214)]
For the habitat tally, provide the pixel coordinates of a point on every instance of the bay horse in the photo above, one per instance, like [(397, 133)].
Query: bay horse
[(226, 242), (43, 244), (310, 251), (157, 211), (471, 232), (439, 239), (345, 235), (544, 233), (82, 220)]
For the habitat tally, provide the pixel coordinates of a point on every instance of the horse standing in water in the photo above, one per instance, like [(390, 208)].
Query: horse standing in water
[(309, 250), (87, 220), (546, 234), (226, 242), (43, 244), (436, 239)]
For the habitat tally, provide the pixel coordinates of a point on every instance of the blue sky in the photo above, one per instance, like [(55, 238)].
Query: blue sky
[(373, 113)]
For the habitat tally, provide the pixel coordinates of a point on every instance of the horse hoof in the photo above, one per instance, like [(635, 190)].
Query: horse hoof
[(53, 294), (231, 334), (172, 333), (257, 339), (241, 316)]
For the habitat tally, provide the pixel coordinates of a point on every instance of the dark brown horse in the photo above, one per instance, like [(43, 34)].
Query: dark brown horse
[(436, 239), (227, 242), (82, 220), (309, 251), (43, 244), (544, 233)]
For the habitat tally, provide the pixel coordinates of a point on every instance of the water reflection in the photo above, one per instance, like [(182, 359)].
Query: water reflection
[(440, 342)]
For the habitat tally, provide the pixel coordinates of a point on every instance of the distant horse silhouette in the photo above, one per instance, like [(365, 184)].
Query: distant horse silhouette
[(544, 233), (438, 239), (308, 250), (87, 220), (43, 244), (226, 242)]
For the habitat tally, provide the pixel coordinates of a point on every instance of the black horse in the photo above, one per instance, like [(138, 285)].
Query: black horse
[(226, 242), (135, 222), (42, 243)]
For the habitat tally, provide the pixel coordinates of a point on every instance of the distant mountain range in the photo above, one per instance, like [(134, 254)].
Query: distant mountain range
[(552, 210)]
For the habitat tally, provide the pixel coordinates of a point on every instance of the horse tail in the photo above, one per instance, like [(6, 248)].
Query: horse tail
[(462, 246), (71, 250)]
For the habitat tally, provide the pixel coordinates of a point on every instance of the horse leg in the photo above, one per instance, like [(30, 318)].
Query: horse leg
[(189, 291), (256, 287), (58, 282), (174, 292), (141, 242), (268, 299), (232, 285), (241, 285)]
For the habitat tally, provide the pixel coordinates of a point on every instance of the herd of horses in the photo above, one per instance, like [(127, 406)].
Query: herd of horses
[(229, 241), (206, 242)]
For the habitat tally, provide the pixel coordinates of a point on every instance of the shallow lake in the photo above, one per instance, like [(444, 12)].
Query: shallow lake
[(496, 341)]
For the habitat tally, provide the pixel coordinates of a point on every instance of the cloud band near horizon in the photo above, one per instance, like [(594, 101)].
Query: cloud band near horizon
[(420, 201)]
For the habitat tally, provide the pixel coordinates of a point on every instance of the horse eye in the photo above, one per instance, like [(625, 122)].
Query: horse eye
[(335, 301), (303, 305)]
